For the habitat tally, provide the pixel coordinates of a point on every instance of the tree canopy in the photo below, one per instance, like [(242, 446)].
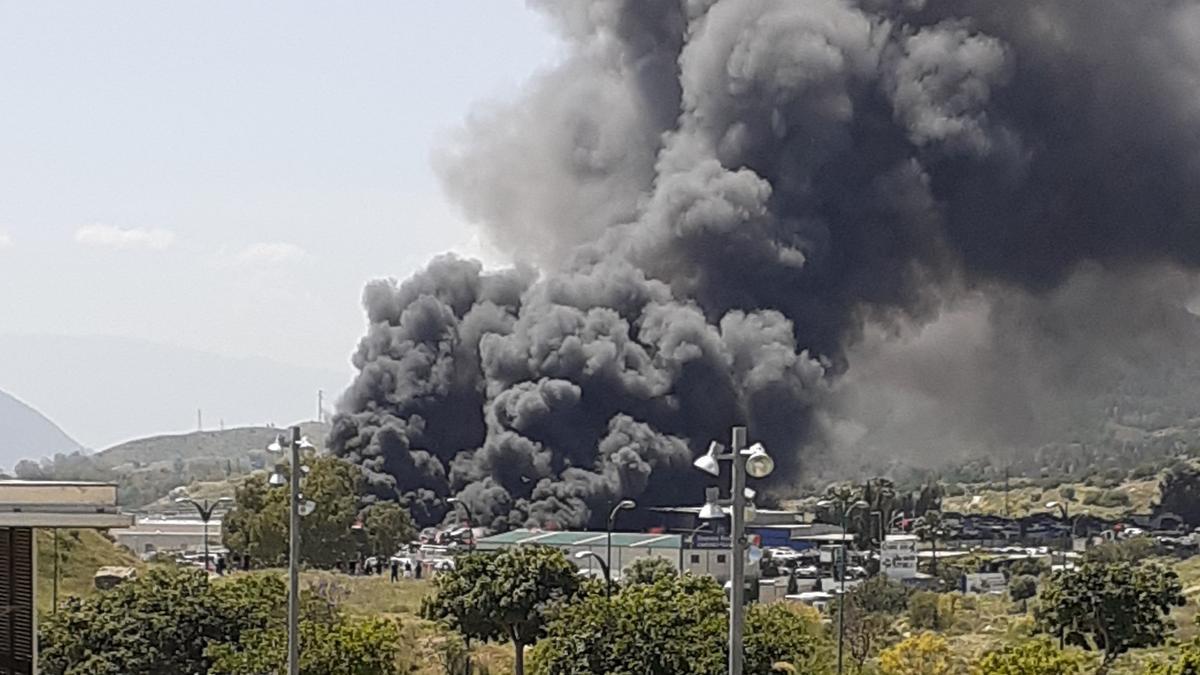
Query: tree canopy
[(1032, 657), (257, 524), (1110, 607), (506, 594), (676, 624), (175, 621)]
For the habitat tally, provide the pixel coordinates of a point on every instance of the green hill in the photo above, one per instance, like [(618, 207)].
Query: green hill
[(147, 469), (80, 554)]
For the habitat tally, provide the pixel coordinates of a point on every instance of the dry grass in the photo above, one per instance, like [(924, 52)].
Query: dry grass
[(80, 554), (1026, 499)]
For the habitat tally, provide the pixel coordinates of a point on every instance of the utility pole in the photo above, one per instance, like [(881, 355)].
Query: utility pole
[(1006, 490), (199, 420), (320, 405), (294, 559)]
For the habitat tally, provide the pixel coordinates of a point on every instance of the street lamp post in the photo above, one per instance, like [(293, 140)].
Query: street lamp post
[(470, 520), (295, 444), (756, 463), (584, 555), (205, 509), (845, 507), (1065, 511), (623, 505)]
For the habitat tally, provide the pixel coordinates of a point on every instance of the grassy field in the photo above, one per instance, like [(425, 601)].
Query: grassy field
[(80, 554)]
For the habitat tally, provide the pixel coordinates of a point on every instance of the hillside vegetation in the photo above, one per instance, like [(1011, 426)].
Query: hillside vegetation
[(147, 469)]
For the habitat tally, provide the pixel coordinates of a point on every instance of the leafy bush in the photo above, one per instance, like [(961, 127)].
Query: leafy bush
[(1131, 550), (1032, 657), (678, 624), (647, 571), (924, 654), (1021, 588), (926, 611), (1184, 662), (1107, 498), (879, 594)]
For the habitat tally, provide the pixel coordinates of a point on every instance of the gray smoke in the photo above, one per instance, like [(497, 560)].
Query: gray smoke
[(716, 198)]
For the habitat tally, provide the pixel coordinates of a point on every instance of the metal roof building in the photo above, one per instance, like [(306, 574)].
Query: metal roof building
[(585, 540), (626, 547)]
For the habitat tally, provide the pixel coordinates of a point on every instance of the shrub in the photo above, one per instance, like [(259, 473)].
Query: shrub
[(924, 654), (1032, 657), (925, 611), (1107, 499)]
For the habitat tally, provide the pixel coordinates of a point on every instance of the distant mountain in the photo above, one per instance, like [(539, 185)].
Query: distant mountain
[(26, 433), (107, 390)]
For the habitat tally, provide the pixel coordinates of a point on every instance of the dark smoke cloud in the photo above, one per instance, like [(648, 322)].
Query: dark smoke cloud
[(721, 194)]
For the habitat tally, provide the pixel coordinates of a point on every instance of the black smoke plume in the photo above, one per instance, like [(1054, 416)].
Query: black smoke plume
[(713, 198)]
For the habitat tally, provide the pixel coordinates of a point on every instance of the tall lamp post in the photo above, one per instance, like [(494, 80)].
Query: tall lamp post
[(205, 509), (756, 463), (623, 505), (470, 520), (844, 506), (298, 506), (1065, 511)]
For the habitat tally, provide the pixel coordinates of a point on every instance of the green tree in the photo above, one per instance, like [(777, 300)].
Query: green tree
[(677, 624), (871, 609), (879, 594), (342, 646), (929, 528), (1021, 588), (1032, 657), (506, 594), (647, 571), (258, 522), (158, 624), (1110, 607), (388, 526)]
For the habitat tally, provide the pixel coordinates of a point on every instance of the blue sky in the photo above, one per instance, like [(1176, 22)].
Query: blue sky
[(224, 176)]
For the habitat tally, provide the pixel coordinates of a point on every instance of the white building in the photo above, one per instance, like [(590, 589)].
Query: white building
[(158, 533)]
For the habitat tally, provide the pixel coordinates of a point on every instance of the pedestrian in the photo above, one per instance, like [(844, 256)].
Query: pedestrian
[(408, 569), (418, 570), (395, 570), (221, 565)]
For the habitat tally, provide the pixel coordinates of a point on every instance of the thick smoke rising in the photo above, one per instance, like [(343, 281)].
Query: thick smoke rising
[(715, 197)]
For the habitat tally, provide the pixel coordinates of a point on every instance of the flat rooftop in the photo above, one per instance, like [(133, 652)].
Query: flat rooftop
[(73, 504), (544, 538)]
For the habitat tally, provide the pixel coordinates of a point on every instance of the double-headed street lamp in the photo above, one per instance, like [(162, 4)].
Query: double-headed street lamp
[(205, 509), (843, 504), (298, 506), (470, 521), (756, 463)]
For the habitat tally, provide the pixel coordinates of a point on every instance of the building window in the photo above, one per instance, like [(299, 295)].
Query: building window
[(721, 559), (695, 559)]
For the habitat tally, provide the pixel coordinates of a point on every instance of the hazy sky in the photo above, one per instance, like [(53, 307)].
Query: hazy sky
[(224, 176)]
